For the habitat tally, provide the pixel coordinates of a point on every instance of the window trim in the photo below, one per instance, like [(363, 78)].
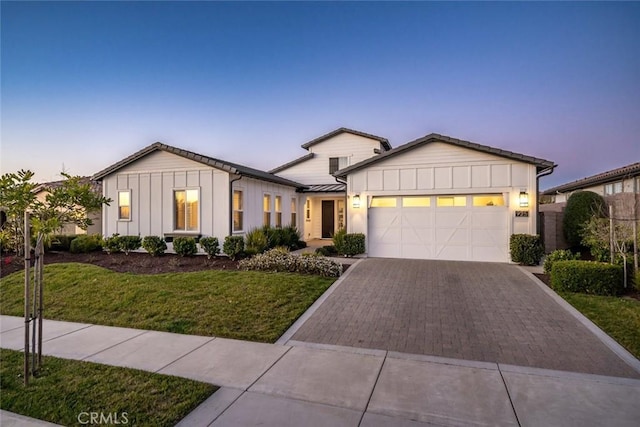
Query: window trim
[(612, 186), (277, 200), (199, 211), (234, 210), (294, 212), (265, 212), (129, 219)]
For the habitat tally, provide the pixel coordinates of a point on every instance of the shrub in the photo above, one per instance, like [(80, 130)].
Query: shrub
[(112, 244), (185, 246), (291, 238), (338, 240), (558, 255), (130, 243), (327, 251), (233, 246), (155, 245), (62, 242), (636, 282), (587, 277), (581, 206), (210, 246), (85, 243), (353, 244), (281, 260), (257, 241), (526, 249)]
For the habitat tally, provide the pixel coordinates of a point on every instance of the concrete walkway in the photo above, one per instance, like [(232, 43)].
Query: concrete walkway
[(323, 385)]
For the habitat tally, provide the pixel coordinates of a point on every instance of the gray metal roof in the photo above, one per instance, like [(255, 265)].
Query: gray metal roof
[(434, 137), (292, 163), (601, 178), (325, 188), (383, 141), (205, 160)]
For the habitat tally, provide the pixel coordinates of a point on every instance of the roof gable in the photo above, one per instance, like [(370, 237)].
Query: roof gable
[(383, 141), (232, 168), (434, 137), (601, 178)]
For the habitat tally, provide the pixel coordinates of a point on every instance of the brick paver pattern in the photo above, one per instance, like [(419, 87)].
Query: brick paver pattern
[(466, 310)]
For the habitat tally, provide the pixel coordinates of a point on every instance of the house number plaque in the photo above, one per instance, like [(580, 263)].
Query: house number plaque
[(522, 214)]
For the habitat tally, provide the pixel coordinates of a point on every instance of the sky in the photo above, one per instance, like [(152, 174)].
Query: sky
[(85, 84)]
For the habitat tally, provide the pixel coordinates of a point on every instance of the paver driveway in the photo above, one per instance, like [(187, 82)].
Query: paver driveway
[(467, 310)]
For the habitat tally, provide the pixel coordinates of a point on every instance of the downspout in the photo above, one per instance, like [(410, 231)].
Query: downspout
[(346, 205), (231, 203), (545, 172)]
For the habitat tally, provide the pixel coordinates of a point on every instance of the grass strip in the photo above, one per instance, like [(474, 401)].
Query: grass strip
[(67, 392), (247, 305)]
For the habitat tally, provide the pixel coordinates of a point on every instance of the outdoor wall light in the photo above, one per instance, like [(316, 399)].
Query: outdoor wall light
[(356, 201), (524, 199)]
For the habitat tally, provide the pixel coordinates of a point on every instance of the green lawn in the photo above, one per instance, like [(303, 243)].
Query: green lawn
[(68, 389), (246, 305), (618, 317)]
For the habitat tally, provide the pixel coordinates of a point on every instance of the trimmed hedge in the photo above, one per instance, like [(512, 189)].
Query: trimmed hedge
[(85, 243), (185, 246), (353, 244), (112, 244), (130, 243), (581, 206), (233, 246), (526, 249), (62, 242), (210, 246), (558, 255), (155, 245), (587, 277)]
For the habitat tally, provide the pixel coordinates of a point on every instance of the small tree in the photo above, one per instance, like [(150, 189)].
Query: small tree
[(581, 206)]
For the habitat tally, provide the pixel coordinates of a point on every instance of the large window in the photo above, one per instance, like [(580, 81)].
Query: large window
[(186, 210), (294, 212), (124, 205), (238, 212), (278, 211), (266, 208), (613, 188)]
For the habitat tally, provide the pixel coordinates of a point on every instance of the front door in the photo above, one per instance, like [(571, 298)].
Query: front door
[(328, 224)]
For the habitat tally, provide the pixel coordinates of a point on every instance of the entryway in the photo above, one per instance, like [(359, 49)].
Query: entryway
[(328, 219)]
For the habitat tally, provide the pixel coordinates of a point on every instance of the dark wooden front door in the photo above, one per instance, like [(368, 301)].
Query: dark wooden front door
[(328, 225)]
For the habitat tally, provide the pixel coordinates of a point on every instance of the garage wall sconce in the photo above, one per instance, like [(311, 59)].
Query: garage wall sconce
[(355, 202), (524, 199)]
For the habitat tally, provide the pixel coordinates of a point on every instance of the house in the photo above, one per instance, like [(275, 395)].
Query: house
[(166, 191), (435, 198)]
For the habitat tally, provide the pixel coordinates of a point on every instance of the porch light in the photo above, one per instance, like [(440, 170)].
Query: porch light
[(356, 201), (524, 199)]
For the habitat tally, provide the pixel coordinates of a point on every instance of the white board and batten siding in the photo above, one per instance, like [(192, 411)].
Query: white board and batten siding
[(436, 232), (316, 170)]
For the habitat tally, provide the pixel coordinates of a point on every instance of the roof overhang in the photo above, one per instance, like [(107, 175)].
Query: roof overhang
[(628, 171)]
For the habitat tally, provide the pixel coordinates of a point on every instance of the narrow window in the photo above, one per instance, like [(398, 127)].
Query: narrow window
[(124, 205), (279, 211), (237, 210), (266, 208), (488, 200), (307, 213), (384, 202), (334, 164), (294, 213), (186, 210), (451, 201)]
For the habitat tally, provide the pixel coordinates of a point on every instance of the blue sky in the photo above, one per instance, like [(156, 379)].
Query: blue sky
[(85, 84)]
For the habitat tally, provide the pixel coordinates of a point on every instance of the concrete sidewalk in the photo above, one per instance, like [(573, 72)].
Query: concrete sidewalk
[(321, 385)]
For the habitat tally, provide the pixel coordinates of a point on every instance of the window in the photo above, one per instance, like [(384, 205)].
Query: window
[(266, 208), (186, 210), (337, 163), (451, 201), (307, 214), (383, 202), (416, 202), (294, 213), (613, 188), (238, 212), (124, 205), (488, 200), (278, 211)]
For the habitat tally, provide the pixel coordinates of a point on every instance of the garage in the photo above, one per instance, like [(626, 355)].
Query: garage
[(460, 227)]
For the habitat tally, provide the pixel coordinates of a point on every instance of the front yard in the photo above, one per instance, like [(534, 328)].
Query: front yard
[(245, 305)]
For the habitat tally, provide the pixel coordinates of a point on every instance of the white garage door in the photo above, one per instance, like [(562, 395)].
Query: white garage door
[(464, 228)]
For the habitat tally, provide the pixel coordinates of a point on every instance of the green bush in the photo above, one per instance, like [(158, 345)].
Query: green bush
[(281, 260), (86, 243), (526, 249), (587, 277), (155, 245), (327, 251), (185, 246), (112, 244), (130, 243), (558, 255), (353, 244), (338, 240), (636, 282), (256, 240), (210, 246), (62, 242), (233, 246), (292, 238), (581, 206)]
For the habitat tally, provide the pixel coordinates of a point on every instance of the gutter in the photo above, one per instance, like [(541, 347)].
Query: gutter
[(545, 172)]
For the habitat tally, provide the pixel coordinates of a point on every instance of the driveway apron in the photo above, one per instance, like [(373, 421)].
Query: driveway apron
[(466, 310)]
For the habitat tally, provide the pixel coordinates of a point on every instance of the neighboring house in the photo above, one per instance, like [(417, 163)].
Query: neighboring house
[(42, 191), (323, 198), (168, 192)]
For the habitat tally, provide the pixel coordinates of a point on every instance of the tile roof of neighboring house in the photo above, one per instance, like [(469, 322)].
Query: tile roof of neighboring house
[(383, 141), (205, 160), (292, 163), (95, 186), (326, 188), (434, 137), (601, 178)]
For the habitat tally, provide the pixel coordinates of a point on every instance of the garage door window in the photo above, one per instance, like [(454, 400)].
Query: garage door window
[(383, 202), (488, 200), (416, 202), (451, 201)]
